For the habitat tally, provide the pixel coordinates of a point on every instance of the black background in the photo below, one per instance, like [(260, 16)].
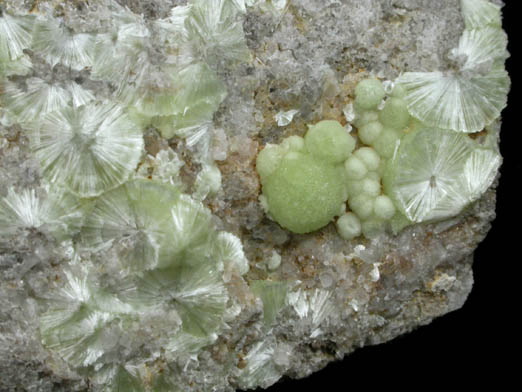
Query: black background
[(477, 345)]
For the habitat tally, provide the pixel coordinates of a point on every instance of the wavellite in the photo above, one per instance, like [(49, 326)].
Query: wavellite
[(211, 195)]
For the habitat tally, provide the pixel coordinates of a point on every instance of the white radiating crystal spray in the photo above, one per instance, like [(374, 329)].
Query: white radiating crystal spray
[(89, 149), (58, 44), (56, 212), (260, 367), (15, 36), (215, 30), (312, 307), (285, 118), (40, 98), (480, 13), (135, 219), (434, 174), (472, 96)]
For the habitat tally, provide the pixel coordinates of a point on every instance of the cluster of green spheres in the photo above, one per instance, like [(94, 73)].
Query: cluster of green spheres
[(304, 181), (395, 172), (307, 181)]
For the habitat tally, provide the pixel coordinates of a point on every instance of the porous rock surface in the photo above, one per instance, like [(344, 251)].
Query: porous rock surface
[(308, 57)]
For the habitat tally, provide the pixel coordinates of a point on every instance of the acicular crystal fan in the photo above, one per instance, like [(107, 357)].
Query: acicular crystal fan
[(56, 212), (59, 44), (469, 97), (38, 98), (434, 174), (134, 218), (89, 149), (15, 35)]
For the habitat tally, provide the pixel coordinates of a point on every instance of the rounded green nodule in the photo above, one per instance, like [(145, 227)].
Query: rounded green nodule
[(349, 226), (369, 132), (369, 93), (329, 141), (386, 143), (395, 114), (304, 193), (268, 160)]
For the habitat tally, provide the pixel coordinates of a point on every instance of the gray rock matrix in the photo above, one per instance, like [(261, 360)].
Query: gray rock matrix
[(309, 57)]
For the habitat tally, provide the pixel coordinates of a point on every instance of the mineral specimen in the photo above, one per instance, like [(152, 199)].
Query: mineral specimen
[(208, 195)]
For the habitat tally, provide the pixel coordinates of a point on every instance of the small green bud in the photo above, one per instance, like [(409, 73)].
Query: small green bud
[(383, 207), (329, 141), (369, 157), (349, 226), (365, 117), (398, 91), (395, 114), (355, 168), (386, 143), (371, 187), (362, 205), (373, 175), (354, 187), (293, 143), (369, 93), (369, 132), (268, 160)]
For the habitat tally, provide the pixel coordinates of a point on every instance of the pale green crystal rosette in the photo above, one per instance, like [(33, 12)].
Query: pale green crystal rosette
[(173, 262)]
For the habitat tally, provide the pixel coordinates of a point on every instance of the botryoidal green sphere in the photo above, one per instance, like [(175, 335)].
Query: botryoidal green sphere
[(304, 179), (305, 193)]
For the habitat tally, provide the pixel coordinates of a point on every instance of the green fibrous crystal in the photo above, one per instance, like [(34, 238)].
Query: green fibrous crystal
[(189, 98), (135, 218), (312, 307), (57, 44), (40, 98), (480, 170), (215, 30), (15, 36), (115, 52), (260, 369), (89, 149), (482, 49), (55, 212), (480, 13), (173, 261), (468, 99), (451, 102), (150, 279), (175, 96), (228, 250), (78, 323), (208, 182), (273, 295), (431, 176), (192, 287), (20, 66), (123, 380), (191, 232)]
